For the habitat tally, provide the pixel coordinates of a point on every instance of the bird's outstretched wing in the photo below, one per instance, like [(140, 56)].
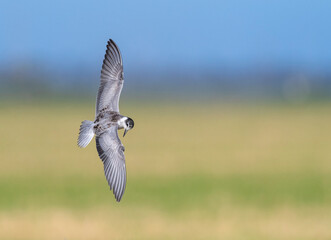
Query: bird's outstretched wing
[(111, 152), (111, 83)]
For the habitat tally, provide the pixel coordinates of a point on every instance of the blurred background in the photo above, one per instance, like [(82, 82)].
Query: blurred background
[(232, 110)]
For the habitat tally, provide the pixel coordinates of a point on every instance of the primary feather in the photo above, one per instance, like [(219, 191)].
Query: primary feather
[(111, 152), (111, 83)]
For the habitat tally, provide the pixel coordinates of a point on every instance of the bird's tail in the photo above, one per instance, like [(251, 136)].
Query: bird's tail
[(85, 133)]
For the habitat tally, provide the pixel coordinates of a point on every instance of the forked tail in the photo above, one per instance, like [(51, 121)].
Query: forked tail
[(85, 133)]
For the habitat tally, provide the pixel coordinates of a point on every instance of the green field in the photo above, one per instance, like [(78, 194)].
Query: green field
[(225, 171)]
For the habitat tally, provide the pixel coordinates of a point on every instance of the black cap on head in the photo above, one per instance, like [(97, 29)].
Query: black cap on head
[(130, 123)]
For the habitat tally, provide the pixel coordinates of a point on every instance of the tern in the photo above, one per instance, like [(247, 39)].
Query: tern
[(108, 120)]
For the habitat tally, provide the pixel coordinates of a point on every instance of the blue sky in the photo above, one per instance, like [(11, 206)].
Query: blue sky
[(164, 34)]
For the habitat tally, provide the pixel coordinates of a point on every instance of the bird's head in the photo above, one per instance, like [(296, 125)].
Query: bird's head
[(129, 124)]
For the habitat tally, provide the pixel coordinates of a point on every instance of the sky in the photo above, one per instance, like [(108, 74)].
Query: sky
[(167, 34)]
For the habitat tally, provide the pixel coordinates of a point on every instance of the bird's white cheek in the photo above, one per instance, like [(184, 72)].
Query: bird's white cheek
[(121, 124)]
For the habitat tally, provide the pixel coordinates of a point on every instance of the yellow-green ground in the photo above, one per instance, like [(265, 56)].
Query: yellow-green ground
[(225, 171)]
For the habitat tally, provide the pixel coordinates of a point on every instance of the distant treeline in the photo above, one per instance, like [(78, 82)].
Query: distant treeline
[(33, 81)]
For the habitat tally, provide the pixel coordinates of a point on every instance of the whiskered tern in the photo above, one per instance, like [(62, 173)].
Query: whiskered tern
[(108, 120)]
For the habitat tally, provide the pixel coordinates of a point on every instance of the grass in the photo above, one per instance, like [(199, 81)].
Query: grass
[(169, 194), (233, 171)]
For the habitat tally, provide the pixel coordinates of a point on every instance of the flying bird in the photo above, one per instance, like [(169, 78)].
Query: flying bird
[(108, 120)]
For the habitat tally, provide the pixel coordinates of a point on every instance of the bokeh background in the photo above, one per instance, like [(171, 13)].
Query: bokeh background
[(231, 102)]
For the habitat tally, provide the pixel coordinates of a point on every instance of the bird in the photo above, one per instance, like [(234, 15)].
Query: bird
[(108, 121)]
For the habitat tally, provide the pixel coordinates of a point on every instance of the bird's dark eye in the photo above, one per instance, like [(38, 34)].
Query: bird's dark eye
[(130, 123)]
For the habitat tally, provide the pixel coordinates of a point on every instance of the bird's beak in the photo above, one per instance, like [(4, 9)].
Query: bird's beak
[(125, 131)]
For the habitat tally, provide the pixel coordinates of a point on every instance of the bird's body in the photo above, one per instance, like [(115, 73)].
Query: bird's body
[(108, 120), (105, 119)]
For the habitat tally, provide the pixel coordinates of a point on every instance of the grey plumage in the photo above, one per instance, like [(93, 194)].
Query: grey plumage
[(85, 133), (111, 152), (111, 83), (108, 120)]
